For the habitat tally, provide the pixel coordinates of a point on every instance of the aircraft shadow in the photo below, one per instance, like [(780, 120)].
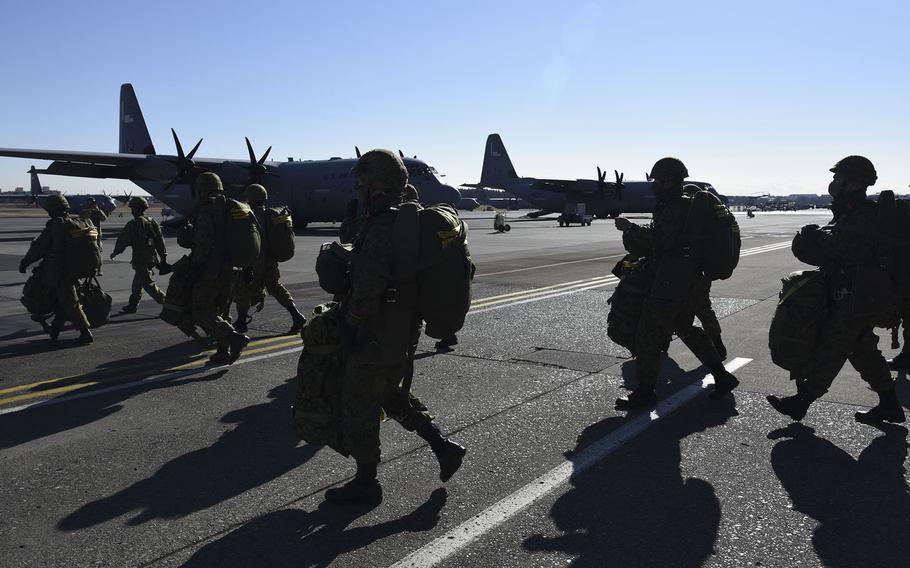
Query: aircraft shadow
[(862, 505), (635, 508), (300, 539), (260, 447)]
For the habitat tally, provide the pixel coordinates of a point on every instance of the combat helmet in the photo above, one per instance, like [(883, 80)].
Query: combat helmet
[(256, 193), (381, 169), (55, 202), (856, 168), (669, 168), (138, 202), (208, 183)]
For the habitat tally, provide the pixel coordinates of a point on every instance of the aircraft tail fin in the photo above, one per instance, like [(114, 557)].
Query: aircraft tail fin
[(36, 185), (134, 135), (497, 167)]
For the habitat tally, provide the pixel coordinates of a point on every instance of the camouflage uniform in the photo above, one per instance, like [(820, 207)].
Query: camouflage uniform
[(96, 216), (214, 276), (145, 238), (48, 247)]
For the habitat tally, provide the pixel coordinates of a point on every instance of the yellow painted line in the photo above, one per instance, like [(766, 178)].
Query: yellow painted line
[(39, 383), (60, 390), (523, 292), (533, 294)]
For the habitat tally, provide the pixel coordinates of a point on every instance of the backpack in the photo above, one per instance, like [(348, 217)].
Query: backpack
[(241, 234), (901, 262), (179, 294), (279, 233), (320, 370), (80, 247), (627, 303), (37, 297), (444, 270), (798, 319), (96, 303), (713, 236)]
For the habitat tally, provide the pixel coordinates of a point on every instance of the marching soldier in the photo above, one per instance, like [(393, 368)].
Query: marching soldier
[(144, 236)]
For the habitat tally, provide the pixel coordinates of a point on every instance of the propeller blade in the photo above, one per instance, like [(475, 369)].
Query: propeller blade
[(179, 146), (193, 151), (356, 150), (400, 153), (264, 156), (249, 147)]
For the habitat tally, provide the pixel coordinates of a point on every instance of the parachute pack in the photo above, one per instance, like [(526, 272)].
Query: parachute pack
[(798, 319), (179, 294), (320, 370), (279, 232), (713, 235), (241, 234), (444, 269), (37, 297), (80, 246), (902, 249), (96, 303)]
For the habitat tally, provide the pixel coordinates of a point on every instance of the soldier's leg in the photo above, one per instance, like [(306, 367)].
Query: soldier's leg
[(701, 345), (271, 278), (135, 291), (71, 309), (207, 295), (148, 283), (869, 361), (704, 311), (901, 361), (651, 339)]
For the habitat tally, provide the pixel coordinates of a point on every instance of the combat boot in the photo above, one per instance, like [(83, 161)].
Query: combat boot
[(720, 347), (446, 343), (364, 489), (794, 406), (242, 319), (724, 383), (641, 397), (221, 356), (237, 343), (129, 309), (55, 327), (299, 320), (901, 362), (888, 409), (85, 336), (448, 453)]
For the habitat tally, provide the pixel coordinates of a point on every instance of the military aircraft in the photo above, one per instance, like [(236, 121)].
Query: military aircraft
[(79, 202), (314, 190), (600, 197)]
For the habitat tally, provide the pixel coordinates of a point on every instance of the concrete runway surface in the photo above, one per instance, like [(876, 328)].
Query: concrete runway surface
[(129, 452)]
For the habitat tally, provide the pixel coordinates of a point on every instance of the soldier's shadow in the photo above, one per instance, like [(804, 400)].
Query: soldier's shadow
[(300, 539), (635, 508), (862, 505), (670, 373), (260, 447)]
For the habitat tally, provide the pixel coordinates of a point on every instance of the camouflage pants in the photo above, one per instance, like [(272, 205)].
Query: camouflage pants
[(142, 280), (845, 338), (68, 306), (368, 389), (208, 305), (705, 313), (266, 278), (659, 321)]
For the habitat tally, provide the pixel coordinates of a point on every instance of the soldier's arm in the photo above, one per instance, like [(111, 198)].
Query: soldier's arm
[(639, 240), (124, 239), (159, 241), (41, 246), (203, 237), (368, 285)]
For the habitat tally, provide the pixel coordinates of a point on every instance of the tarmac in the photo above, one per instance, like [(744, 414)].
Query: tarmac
[(131, 452)]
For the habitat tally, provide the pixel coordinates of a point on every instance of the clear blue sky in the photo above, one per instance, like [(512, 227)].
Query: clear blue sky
[(763, 96)]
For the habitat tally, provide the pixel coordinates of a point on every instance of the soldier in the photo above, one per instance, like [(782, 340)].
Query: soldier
[(841, 247), (144, 236), (265, 275), (213, 274), (96, 216), (380, 337), (703, 309), (49, 248), (669, 308)]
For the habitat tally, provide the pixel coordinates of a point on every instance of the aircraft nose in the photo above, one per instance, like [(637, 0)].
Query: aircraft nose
[(452, 195)]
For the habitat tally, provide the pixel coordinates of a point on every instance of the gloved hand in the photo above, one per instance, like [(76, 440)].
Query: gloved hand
[(809, 230), (623, 224)]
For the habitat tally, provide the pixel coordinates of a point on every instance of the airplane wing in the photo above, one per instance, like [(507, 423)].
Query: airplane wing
[(81, 157)]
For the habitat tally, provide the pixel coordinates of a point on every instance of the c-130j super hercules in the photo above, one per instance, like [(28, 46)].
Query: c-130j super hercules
[(314, 190)]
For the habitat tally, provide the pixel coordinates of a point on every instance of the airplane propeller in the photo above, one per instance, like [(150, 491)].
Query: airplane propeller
[(185, 164), (617, 192), (257, 168), (357, 151)]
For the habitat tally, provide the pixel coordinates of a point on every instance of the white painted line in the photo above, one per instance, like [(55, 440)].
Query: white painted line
[(482, 274), (461, 536), (169, 376), (547, 297)]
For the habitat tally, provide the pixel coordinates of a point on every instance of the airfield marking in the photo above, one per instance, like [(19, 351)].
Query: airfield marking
[(482, 274), (480, 306), (461, 536)]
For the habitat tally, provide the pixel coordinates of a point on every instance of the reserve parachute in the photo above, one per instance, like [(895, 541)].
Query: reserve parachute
[(798, 319), (627, 302), (241, 234), (713, 236), (279, 233), (80, 247)]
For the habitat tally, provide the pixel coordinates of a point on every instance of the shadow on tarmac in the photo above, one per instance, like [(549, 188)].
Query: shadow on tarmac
[(261, 447), (862, 505), (301, 539), (636, 509)]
